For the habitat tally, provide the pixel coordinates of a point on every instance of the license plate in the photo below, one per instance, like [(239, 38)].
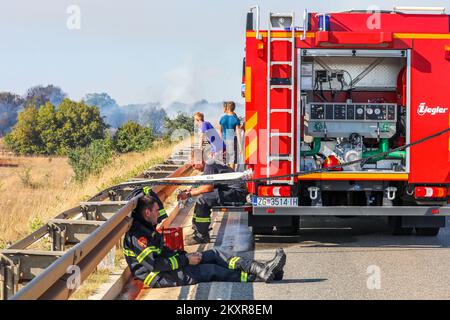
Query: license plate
[(274, 202)]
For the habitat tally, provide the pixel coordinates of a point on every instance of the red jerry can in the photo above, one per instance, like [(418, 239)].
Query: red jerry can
[(173, 238)]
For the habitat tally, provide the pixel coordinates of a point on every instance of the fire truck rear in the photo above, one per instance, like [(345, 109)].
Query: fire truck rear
[(346, 86)]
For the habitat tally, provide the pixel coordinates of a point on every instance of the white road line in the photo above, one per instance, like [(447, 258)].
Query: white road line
[(222, 290), (236, 238)]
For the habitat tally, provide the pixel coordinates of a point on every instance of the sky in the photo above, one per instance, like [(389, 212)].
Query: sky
[(140, 51)]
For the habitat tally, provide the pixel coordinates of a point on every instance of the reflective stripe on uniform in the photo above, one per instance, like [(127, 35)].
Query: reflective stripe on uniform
[(174, 262), (232, 263), (146, 252), (202, 220), (162, 212), (129, 253), (146, 190), (244, 276), (149, 278)]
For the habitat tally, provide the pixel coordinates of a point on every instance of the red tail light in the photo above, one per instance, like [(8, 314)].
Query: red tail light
[(284, 191), (430, 192)]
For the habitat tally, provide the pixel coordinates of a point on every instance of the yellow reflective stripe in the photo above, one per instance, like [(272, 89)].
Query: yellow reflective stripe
[(200, 219), (146, 252), (395, 35), (129, 253), (248, 84), (421, 36), (244, 276), (350, 176), (252, 122), (162, 212), (232, 263), (174, 262), (250, 125), (280, 34), (149, 278), (251, 148), (146, 190)]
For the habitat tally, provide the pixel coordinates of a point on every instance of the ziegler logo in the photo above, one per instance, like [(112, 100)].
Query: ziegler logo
[(424, 109)]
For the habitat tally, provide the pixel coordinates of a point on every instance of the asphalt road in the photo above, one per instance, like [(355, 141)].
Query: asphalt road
[(333, 258)]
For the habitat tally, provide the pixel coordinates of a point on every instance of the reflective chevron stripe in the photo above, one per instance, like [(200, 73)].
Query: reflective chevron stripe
[(146, 190), (149, 278), (162, 212), (202, 220), (174, 262), (146, 252), (129, 253), (232, 263)]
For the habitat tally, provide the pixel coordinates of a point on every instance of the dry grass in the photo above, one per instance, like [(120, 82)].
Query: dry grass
[(40, 188), (91, 285)]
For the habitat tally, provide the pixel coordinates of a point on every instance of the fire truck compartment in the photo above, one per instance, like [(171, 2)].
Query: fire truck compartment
[(353, 109)]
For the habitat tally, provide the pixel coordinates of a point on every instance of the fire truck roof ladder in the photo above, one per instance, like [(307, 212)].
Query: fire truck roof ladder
[(278, 22)]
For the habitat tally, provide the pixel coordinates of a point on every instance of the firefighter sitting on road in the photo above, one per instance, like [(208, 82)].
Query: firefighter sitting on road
[(158, 266), (210, 195)]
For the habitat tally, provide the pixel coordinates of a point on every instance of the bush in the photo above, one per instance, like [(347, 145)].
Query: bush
[(90, 159), (35, 223), (25, 138), (25, 178), (132, 137), (181, 122), (49, 130)]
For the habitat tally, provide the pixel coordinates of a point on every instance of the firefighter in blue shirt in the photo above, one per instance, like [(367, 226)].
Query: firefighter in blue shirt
[(158, 266)]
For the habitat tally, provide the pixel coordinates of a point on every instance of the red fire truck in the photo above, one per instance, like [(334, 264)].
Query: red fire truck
[(346, 86)]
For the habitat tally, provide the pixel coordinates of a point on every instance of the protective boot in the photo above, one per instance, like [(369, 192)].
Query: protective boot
[(279, 276), (267, 271)]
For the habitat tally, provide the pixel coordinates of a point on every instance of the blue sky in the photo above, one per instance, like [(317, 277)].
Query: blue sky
[(139, 50)]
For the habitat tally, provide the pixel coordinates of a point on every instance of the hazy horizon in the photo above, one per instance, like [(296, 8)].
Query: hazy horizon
[(139, 51)]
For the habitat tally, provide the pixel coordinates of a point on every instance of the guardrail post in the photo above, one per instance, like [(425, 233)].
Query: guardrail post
[(108, 263), (87, 214), (9, 278), (58, 236)]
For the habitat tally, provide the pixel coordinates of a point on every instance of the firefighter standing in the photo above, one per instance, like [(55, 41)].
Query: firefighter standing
[(158, 266), (210, 195)]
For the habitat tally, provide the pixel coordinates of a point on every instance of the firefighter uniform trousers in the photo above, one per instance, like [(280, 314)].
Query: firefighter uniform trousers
[(215, 265), (202, 210)]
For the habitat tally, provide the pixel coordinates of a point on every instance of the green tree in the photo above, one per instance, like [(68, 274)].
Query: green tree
[(10, 104), (90, 159), (40, 95), (25, 137), (50, 131), (47, 127), (78, 125), (181, 122), (132, 137)]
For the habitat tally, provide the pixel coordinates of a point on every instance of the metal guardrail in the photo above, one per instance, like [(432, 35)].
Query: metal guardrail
[(106, 218)]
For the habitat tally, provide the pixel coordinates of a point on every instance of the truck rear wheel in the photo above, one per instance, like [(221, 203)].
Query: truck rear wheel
[(397, 229), (292, 229), (429, 232), (262, 230)]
